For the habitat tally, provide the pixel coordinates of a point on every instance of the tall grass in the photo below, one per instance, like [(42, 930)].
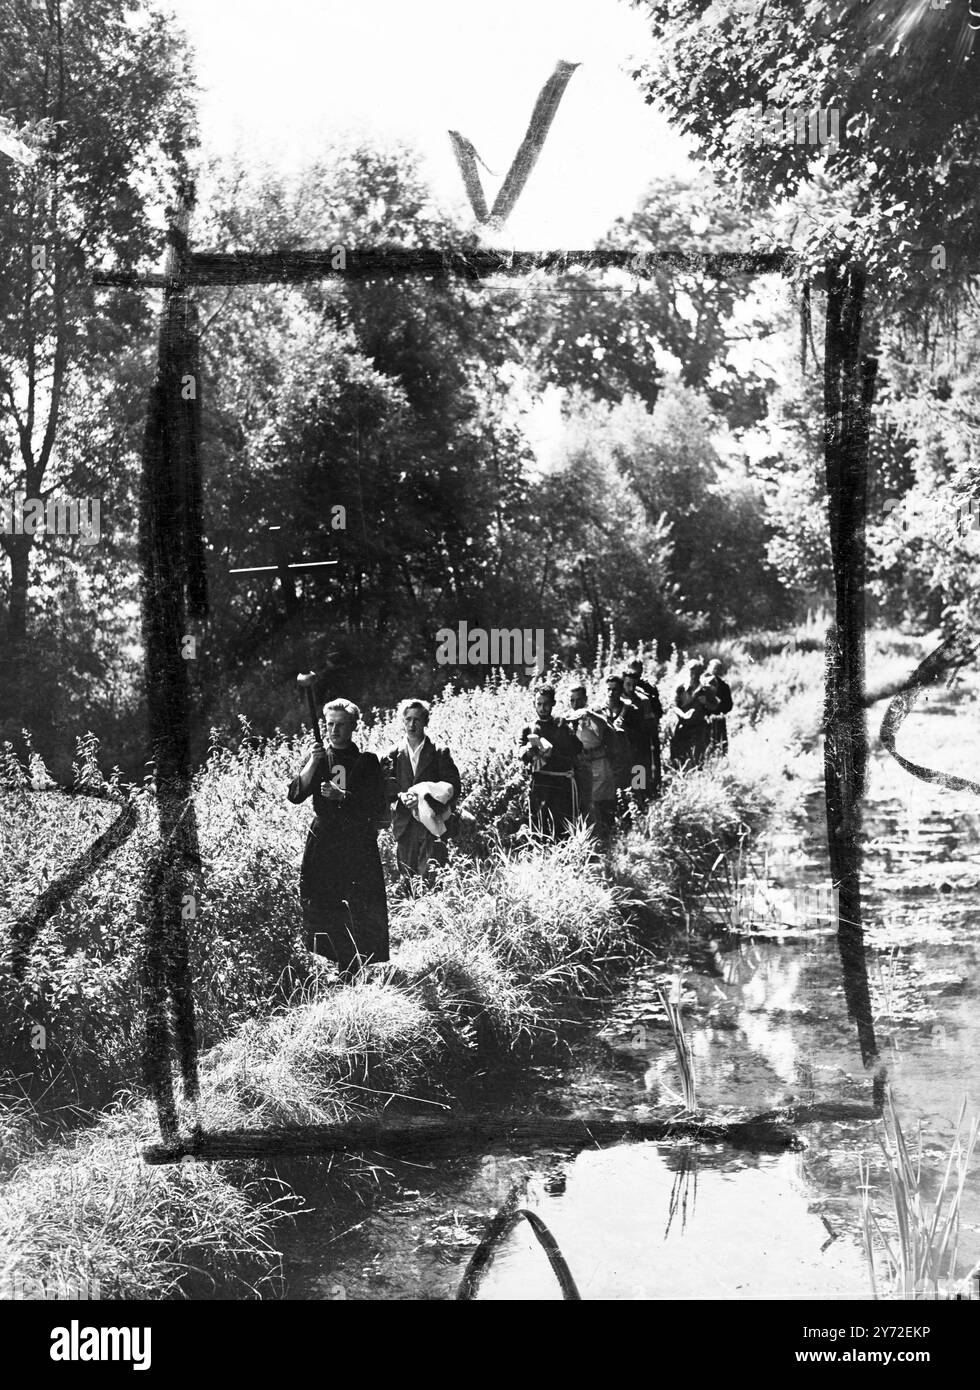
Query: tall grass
[(319, 1062), (912, 1253), (92, 1214), (676, 858), (20, 1132), (484, 965)]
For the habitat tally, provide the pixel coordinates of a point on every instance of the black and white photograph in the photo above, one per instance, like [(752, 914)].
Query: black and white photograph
[(489, 683)]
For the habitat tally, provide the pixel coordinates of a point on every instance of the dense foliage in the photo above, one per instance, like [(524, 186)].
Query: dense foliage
[(603, 457), (103, 88)]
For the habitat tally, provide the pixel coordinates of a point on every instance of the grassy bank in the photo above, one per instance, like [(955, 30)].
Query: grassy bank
[(483, 968)]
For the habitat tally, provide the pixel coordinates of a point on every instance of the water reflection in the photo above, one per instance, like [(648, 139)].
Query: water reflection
[(750, 1234)]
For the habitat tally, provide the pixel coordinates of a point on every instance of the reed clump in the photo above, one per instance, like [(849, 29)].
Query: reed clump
[(683, 1052), (912, 1250)]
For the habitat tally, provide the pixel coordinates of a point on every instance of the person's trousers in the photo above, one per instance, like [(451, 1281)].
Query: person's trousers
[(419, 852), (553, 805)]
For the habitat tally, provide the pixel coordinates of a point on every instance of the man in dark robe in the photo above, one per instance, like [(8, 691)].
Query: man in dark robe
[(654, 715), (341, 885), (693, 703), (625, 729), (717, 723), (420, 762), (641, 780), (551, 750)]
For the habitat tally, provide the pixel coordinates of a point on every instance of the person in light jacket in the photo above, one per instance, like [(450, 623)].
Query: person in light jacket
[(422, 785)]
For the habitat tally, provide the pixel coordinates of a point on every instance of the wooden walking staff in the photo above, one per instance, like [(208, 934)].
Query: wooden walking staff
[(173, 587), (849, 380)]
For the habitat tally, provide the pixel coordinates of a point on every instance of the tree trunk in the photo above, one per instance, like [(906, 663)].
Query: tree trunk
[(848, 393), (424, 1137), (19, 550), (171, 561), (13, 688)]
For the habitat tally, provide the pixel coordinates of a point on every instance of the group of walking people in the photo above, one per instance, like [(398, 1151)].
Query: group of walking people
[(583, 763), (587, 761), (702, 699)]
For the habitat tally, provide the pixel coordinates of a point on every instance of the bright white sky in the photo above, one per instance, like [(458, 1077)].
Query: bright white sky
[(282, 77)]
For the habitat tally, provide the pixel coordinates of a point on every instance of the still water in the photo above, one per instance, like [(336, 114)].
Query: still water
[(769, 1024)]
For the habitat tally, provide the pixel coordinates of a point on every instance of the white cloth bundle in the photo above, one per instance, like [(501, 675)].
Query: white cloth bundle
[(424, 813), (589, 733)]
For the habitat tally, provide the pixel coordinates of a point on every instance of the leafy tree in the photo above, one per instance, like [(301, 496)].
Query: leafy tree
[(796, 492), (590, 554), (610, 334), (716, 521), (924, 554), (105, 85), (691, 312), (901, 74), (387, 399), (665, 539)]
